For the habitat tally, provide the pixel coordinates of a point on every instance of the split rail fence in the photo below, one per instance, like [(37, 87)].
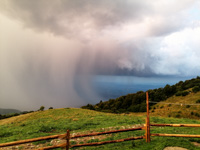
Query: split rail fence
[(146, 127), (67, 136)]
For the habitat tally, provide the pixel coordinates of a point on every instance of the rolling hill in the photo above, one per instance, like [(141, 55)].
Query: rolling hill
[(8, 111)]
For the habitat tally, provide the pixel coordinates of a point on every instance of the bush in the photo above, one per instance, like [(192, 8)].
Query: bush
[(196, 89), (178, 116), (198, 101), (182, 93), (179, 93), (187, 106), (192, 113), (41, 108), (197, 114)]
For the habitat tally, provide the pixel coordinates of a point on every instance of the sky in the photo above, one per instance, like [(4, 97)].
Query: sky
[(51, 49)]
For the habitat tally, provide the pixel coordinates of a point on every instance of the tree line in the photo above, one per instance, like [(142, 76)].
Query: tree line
[(136, 102)]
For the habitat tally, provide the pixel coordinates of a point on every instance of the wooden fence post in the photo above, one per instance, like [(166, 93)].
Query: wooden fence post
[(147, 120), (67, 140)]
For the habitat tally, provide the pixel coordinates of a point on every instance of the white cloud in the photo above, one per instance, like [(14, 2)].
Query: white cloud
[(179, 53)]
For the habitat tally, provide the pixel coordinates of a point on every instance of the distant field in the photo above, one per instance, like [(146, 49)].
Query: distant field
[(56, 121)]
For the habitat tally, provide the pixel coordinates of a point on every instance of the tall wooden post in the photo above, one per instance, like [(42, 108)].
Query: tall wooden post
[(147, 120), (67, 140)]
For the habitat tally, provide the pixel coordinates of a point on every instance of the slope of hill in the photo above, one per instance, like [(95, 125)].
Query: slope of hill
[(179, 106), (136, 102), (57, 121), (8, 111)]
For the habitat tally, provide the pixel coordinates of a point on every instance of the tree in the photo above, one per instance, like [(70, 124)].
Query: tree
[(50, 107), (41, 108)]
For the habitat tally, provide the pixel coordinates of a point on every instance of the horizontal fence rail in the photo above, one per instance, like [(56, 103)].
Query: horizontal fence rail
[(176, 125), (65, 136), (107, 132), (32, 140), (108, 142), (176, 135)]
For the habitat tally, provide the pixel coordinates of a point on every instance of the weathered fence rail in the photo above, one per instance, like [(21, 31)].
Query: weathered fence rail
[(176, 135), (32, 140), (176, 125), (108, 142), (68, 137)]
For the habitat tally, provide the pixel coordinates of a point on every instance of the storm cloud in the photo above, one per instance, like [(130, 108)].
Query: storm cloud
[(50, 50)]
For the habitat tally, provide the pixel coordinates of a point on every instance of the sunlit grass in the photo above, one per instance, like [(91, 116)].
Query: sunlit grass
[(57, 121)]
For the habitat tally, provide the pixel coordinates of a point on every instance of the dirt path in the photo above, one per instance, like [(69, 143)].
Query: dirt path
[(174, 148)]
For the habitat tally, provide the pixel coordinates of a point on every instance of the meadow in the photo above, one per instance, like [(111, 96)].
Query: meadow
[(57, 121)]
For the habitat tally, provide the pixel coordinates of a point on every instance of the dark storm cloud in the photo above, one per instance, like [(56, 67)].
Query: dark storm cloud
[(80, 17), (51, 48)]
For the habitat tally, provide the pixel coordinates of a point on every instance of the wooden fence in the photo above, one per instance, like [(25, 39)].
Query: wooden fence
[(146, 127), (68, 138)]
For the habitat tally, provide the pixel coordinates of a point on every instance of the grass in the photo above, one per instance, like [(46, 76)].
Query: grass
[(57, 121), (178, 111)]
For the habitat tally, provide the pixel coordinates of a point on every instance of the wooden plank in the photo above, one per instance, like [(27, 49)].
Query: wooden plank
[(107, 142), (107, 132), (31, 140), (176, 125), (176, 135), (53, 147)]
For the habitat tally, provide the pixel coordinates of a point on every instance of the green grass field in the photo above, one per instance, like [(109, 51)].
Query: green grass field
[(57, 121)]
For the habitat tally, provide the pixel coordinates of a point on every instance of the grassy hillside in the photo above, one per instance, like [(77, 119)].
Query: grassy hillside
[(179, 106), (57, 121)]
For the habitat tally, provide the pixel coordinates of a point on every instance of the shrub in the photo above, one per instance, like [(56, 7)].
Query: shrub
[(41, 108), (179, 93), (197, 114), (196, 89), (198, 101), (178, 116), (184, 93), (192, 113), (187, 106)]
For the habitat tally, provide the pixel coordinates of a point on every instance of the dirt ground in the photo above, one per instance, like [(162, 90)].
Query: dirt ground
[(174, 148)]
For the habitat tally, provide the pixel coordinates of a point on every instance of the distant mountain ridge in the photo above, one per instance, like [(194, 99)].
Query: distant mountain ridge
[(8, 111)]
